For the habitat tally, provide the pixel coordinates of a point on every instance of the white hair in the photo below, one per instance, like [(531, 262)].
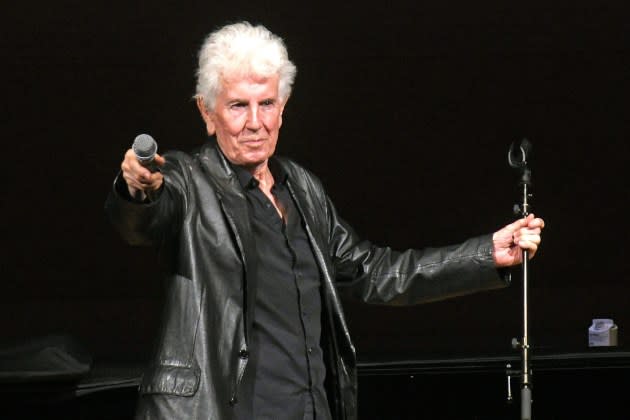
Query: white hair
[(242, 49)]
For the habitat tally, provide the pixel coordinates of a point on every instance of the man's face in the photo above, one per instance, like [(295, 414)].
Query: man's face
[(246, 118)]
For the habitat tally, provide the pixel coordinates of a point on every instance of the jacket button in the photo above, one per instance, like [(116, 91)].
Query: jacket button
[(243, 354), (233, 401)]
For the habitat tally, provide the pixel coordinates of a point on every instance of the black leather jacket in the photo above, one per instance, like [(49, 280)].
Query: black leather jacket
[(201, 224)]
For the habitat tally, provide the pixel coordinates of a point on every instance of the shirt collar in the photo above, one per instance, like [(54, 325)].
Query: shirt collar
[(247, 181)]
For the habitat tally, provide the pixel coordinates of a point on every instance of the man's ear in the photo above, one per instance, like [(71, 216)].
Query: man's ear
[(206, 115)]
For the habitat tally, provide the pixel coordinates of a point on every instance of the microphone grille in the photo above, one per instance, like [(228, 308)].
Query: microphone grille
[(144, 147)]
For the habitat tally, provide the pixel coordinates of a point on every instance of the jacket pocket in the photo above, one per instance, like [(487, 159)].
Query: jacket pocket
[(172, 380)]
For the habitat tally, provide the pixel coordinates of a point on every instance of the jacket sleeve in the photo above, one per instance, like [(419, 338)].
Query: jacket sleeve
[(383, 275), (149, 223)]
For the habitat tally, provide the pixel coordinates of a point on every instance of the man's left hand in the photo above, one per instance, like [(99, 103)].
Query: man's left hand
[(510, 241)]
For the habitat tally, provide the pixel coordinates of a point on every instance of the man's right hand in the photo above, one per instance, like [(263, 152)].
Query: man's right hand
[(139, 179)]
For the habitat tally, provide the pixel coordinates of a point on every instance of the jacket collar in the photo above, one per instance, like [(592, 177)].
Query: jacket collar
[(215, 163)]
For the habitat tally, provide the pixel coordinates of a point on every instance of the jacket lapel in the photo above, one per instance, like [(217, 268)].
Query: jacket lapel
[(234, 206)]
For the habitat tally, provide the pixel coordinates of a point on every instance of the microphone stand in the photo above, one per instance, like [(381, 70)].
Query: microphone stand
[(517, 158)]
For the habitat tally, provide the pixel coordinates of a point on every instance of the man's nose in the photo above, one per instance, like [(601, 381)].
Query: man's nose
[(253, 120)]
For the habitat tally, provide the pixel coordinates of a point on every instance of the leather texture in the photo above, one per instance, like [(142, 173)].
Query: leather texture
[(200, 224)]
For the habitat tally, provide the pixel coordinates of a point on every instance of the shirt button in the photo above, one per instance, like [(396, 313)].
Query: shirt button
[(233, 401), (243, 354), (310, 350)]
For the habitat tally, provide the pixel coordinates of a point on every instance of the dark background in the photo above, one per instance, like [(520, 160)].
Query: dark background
[(406, 112)]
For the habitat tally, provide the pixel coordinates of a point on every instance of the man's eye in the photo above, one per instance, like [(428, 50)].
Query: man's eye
[(237, 105), (267, 102)]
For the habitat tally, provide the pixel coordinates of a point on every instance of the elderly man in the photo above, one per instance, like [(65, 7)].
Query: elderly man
[(255, 251)]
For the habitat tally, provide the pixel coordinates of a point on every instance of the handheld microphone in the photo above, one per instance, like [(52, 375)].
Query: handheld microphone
[(145, 149)]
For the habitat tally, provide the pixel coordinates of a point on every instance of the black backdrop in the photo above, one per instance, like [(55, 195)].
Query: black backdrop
[(406, 113)]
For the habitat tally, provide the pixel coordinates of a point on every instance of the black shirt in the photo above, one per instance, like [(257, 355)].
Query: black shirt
[(288, 382)]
